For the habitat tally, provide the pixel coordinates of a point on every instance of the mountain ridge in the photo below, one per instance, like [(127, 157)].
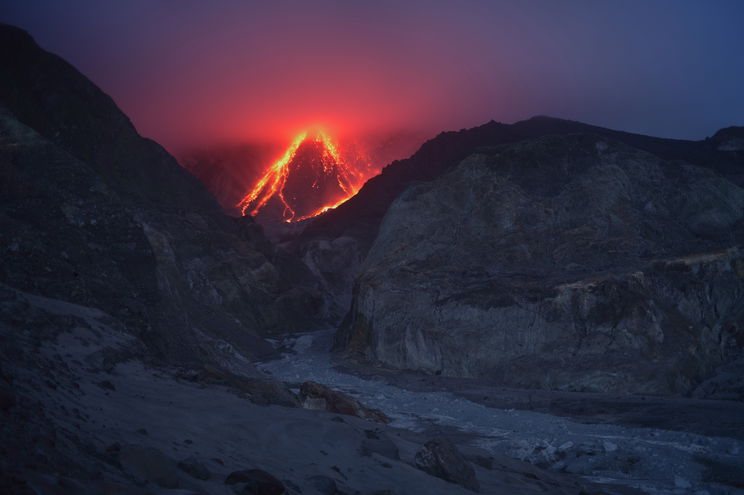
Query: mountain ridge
[(448, 148), (199, 272)]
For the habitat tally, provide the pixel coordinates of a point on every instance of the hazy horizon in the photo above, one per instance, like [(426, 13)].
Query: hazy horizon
[(189, 74)]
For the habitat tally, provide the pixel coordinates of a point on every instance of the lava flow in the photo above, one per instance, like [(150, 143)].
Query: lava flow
[(310, 178)]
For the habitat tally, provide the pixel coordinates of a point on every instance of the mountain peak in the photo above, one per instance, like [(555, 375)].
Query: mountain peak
[(282, 192)]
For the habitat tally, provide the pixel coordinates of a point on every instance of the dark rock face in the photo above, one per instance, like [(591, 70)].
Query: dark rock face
[(335, 263), (95, 214), (256, 482), (568, 262), (149, 465), (441, 458), (195, 468), (726, 384), (7, 399), (316, 396)]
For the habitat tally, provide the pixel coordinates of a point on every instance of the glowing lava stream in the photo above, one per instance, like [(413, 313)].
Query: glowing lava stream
[(273, 181)]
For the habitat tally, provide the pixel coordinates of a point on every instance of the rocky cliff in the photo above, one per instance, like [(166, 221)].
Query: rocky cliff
[(355, 223), (566, 262), (94, 214)]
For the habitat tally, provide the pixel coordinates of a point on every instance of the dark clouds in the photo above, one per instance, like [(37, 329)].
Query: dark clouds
[(191, 72)]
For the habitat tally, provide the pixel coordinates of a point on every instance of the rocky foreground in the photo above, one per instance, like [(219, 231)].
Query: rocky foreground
[(82, 413)]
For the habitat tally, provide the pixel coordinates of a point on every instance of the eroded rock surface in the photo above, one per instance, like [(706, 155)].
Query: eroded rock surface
[(352, 227), (440, 458), (567, 262)]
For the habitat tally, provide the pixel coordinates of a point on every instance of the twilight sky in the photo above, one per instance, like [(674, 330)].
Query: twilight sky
[(189, 72)]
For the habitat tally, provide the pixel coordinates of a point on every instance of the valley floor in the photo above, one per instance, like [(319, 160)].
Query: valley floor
[(85, 415), (658, 445)]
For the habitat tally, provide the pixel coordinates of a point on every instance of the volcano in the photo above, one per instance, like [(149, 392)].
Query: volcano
[(310, 178)]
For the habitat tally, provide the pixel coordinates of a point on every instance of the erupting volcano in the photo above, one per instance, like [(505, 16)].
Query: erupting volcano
[(310, 178)]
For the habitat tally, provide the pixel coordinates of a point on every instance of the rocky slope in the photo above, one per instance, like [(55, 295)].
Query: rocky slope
[(76, 418), (360, 216), (97, 215), (354, 225), (566, 262), (228, 171)]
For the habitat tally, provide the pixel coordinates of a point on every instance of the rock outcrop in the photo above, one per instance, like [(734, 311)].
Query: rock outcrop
[(440, 458), (255, 481), (566, 262), (316, 396)]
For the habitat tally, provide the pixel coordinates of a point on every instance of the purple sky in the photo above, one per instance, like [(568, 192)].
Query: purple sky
[(194, 72)]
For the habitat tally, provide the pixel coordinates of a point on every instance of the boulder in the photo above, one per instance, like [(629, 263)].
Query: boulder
[(440, 458), (316, 396), (260, 389)]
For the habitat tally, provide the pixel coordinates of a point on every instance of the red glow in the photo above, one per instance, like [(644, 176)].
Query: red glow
[(321, 179)]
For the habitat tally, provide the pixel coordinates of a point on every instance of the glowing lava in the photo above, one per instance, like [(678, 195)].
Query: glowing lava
[(310, 178)]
